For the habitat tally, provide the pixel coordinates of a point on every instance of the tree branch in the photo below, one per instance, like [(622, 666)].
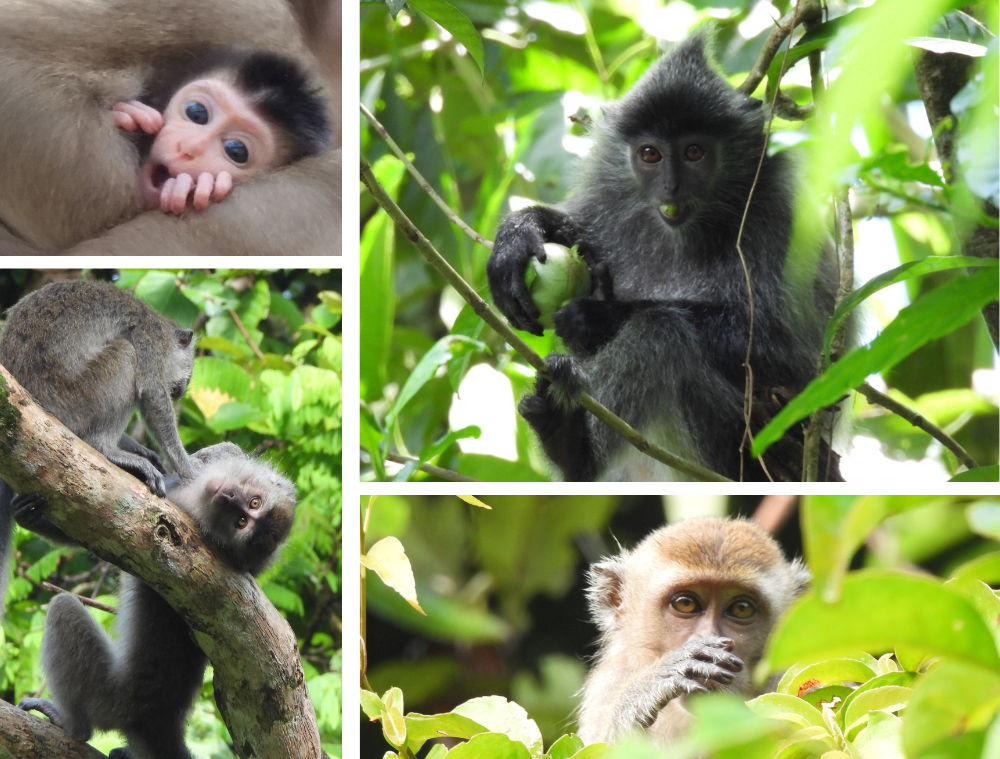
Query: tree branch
[(879, 398), (806, 11), (25, 736), (501, 327), (259, 681)]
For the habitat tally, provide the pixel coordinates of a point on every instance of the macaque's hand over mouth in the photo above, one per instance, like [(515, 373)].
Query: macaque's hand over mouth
[(207, 189)]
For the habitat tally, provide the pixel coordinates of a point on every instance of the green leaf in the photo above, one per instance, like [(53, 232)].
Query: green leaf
[(889, 698), (952, 698), (777, 704), (939, 312), (421, 728), (984, 519), (233, 416), (904, 679), (490, 746), (565, 747), (985, 568), (877, 611), (899, 274), (500, 715), (979, 474), (452, 19), (443, 351), (827, 671), (371, 703)]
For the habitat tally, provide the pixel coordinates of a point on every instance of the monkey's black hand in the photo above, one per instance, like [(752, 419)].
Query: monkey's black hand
[(521, 237), (29, 512), (121, 753), (44, 706)]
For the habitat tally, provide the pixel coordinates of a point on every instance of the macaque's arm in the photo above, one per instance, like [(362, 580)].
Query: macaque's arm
[(133, 116), (293, 211)]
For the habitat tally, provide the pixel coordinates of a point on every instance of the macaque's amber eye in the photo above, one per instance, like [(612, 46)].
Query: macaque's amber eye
[(649, 154), (254, 503), (196, 112), (742, 609), (241, 522), (694, 152), (686, 604), (237, 151)]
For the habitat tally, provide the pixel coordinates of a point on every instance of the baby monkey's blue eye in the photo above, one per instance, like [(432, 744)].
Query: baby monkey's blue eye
[(236, 150), (196, 112)]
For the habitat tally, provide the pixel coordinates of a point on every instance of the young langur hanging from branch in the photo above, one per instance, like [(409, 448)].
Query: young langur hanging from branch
[(686, 611), (68, 183), (91, 354), (144, 682), (224, 117)]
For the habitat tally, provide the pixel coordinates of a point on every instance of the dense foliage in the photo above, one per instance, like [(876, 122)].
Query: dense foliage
[(267, 377), (893, 654), (490, 107)]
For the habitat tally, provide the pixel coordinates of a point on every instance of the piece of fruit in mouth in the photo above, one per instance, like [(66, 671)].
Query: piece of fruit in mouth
[(669, 210)]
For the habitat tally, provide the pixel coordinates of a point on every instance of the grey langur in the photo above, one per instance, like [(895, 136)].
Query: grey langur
[(686, 611), (144, 683), (91, 353), (662, 339)]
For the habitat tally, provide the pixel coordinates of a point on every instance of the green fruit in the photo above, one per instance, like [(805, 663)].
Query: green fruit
[(553, 284)]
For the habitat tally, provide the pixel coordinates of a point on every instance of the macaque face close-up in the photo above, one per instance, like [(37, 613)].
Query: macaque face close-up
[(212, 134)]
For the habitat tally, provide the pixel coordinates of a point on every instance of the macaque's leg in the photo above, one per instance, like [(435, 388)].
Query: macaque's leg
[(29, 512)]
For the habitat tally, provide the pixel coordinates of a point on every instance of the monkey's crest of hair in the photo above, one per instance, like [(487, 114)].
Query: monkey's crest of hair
[(738, 550)]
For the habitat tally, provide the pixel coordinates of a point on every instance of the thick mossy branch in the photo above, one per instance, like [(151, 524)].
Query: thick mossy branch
[(252, 648), (26, 736)]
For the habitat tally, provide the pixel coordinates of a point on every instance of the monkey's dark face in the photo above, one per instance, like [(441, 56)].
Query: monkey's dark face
[(675, 173), (244, 524)]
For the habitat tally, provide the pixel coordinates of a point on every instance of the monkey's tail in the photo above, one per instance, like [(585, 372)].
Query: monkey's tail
[(6, 538)]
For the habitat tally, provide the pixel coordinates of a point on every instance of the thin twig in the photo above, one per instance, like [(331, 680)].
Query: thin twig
[(246, 335), (501, 327), (436, 471), (879, 398), (774, 510), (82, 599), (105, 570), (810, 9), (424, 184)]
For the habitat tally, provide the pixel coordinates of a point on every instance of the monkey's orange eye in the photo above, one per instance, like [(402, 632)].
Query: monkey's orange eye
[(254, 503), (694, 152), (649, 154), (742, 609), (686, 604), (241, 522)]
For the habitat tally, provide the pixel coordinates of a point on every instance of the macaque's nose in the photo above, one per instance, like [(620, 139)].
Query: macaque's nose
[(191, 147)]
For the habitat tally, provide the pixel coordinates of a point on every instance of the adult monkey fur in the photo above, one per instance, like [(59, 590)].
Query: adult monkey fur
[(686, 611), (145, 682), (662, 340), (91, 353), (69, 184)]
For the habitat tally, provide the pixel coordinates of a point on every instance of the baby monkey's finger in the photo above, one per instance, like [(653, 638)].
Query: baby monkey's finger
[(135, 115), (178, 197), (223, 184), (203, 191)]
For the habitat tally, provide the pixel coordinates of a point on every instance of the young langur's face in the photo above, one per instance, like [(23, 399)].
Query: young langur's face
[(208, 126)]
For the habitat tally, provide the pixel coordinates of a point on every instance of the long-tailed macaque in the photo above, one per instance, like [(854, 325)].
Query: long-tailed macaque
[(68, 183), (225, 116), (91, 353), (686, 611), (144, 683)]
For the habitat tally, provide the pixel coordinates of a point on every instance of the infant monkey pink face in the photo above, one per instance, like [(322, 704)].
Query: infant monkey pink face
[(208, 127)]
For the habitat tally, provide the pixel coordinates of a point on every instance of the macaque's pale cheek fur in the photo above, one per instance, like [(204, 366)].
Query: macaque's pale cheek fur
[(650, 659)]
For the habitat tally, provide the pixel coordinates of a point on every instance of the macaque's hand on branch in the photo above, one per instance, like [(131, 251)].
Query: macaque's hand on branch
[(133, 116)]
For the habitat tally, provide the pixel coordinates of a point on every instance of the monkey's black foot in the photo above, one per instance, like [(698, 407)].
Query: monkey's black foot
[(586, 325), (568, 380), (563, 434), (121, 753), (29, 510), (44, 706), (153, 459)]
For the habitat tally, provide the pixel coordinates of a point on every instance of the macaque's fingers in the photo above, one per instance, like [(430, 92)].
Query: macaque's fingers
[(203, 191), (123, 120), (140, 115), (166, 192), (183, 184), (223, 184)]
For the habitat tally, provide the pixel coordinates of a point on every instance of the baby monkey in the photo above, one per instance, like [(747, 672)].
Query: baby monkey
[(686, 611), (144, 682), (223, 117)]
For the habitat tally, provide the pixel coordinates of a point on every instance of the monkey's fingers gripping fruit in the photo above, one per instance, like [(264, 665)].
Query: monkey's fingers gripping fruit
[(553, 284)]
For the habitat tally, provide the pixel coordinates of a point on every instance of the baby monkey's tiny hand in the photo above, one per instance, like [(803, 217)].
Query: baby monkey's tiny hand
[(133, 116), (208, 189)]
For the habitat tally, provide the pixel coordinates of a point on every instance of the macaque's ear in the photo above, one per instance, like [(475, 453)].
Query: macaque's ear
[(801, 578), (215, 452), (604, 592), (184, 337)]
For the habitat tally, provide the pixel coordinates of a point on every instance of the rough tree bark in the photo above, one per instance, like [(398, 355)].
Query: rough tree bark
[(259, 682)]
